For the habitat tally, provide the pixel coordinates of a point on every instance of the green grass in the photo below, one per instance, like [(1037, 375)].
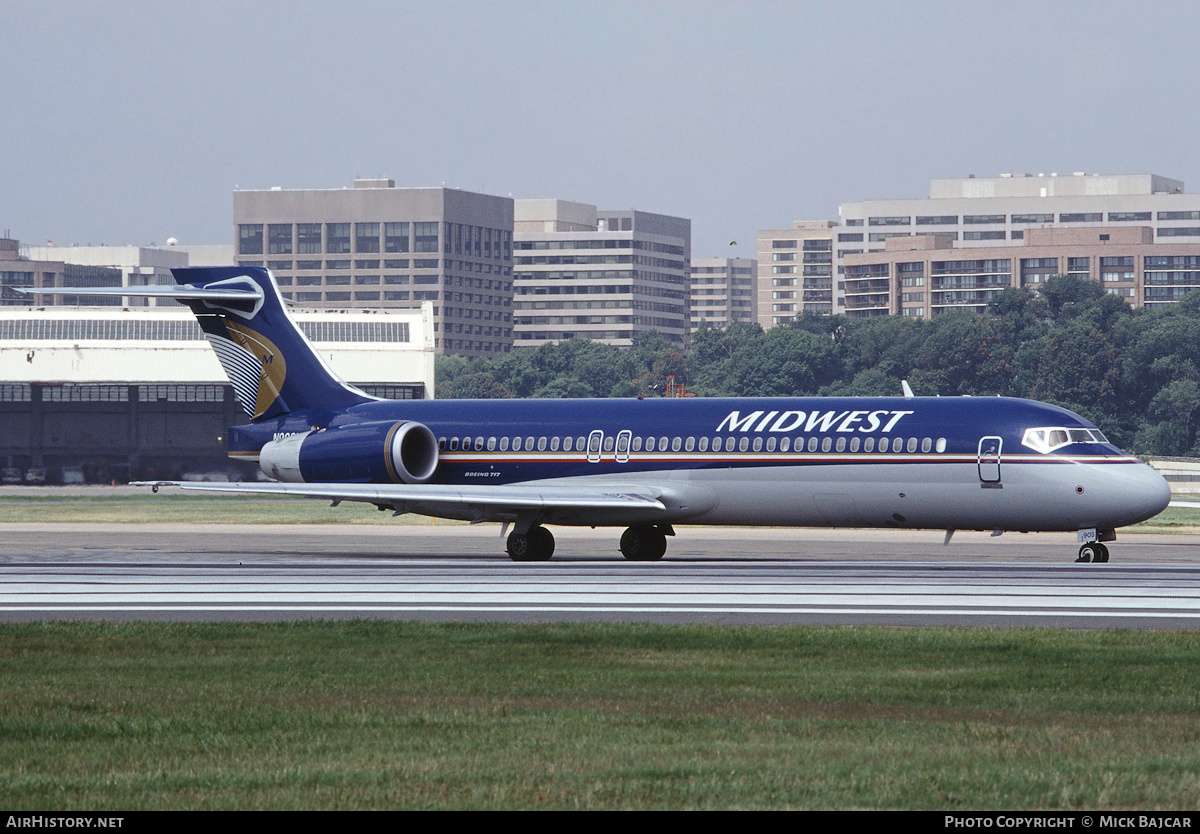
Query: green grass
[(414, 715), (167, 508), (1170, 519)]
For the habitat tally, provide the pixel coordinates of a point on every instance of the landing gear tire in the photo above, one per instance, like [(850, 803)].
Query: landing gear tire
[(643, 544), (1093, 552), (535, 546)]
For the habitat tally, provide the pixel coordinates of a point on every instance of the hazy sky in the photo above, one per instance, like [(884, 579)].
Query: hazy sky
[(131, 122)]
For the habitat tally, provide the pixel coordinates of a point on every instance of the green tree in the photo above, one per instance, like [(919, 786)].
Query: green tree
[(786, 362), (1067, 295)]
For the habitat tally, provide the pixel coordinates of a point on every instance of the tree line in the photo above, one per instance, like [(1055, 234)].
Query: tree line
[(1135, 372)]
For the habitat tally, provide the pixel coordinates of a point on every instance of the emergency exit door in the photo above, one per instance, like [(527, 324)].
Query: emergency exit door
[(989, 460)]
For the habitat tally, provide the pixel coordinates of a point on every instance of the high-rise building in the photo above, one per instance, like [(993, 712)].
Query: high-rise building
[(722, 291), (600, 275), (795, 272), (375, 245), (928, 275), (1151, 213), (991, 211)]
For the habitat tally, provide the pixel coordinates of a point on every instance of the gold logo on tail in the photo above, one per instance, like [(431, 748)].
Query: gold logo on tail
[(271, 366)]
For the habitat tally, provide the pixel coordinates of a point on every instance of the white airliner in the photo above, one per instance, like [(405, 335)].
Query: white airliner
[(949, 463)]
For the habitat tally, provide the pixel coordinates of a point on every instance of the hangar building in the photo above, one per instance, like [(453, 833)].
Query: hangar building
[(104, 395)]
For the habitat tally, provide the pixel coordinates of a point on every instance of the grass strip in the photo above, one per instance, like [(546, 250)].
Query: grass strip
[(192, 509), (368, 714)]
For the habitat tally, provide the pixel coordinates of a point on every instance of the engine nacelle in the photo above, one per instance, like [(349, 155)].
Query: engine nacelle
[(404, 452)]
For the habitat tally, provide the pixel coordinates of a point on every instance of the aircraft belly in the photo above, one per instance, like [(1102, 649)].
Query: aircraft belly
[(938, 495)]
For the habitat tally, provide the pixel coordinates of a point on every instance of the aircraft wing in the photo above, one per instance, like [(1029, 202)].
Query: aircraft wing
[(471, 501)]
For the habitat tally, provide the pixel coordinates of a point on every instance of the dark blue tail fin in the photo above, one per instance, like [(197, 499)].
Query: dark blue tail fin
[(271, 364)]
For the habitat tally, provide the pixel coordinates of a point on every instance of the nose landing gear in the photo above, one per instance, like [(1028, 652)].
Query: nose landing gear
[(1093, 552)]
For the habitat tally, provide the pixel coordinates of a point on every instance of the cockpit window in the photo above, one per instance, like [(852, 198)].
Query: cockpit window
[(1046, 440)]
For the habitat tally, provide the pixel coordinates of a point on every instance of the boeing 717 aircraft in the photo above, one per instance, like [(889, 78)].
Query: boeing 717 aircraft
[(947, 463)]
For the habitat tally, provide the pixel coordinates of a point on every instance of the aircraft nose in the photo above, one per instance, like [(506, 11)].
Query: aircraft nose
[(1143, 493)]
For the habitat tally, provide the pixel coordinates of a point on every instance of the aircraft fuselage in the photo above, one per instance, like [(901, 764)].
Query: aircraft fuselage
[(924, 462)]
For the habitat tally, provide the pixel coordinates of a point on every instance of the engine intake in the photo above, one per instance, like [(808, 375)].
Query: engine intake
[(404, 452)]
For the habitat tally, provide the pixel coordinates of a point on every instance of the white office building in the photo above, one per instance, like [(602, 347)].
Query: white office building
[(597, 274)]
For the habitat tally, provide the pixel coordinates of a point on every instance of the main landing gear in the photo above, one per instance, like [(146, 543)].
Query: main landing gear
[(645, 542), (535, 546), (1093, 552), (640, 543)]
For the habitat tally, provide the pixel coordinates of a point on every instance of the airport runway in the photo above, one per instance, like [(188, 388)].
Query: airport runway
[(750, 576)]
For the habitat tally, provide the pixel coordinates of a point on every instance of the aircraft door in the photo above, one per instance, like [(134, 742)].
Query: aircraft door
[(623, 439), (595, 439), (989, 459)]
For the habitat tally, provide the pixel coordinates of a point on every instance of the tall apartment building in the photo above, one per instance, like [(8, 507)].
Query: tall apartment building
[(375, 245), (722, 291), (796, 272), (928, 275), (990, 211), (597, 274), (993, 214)]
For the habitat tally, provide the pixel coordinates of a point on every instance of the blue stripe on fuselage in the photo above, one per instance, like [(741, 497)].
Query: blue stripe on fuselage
[(962, 421)]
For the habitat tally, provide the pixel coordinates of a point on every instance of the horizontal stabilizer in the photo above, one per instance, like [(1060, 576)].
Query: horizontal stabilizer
[(183, 293)]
